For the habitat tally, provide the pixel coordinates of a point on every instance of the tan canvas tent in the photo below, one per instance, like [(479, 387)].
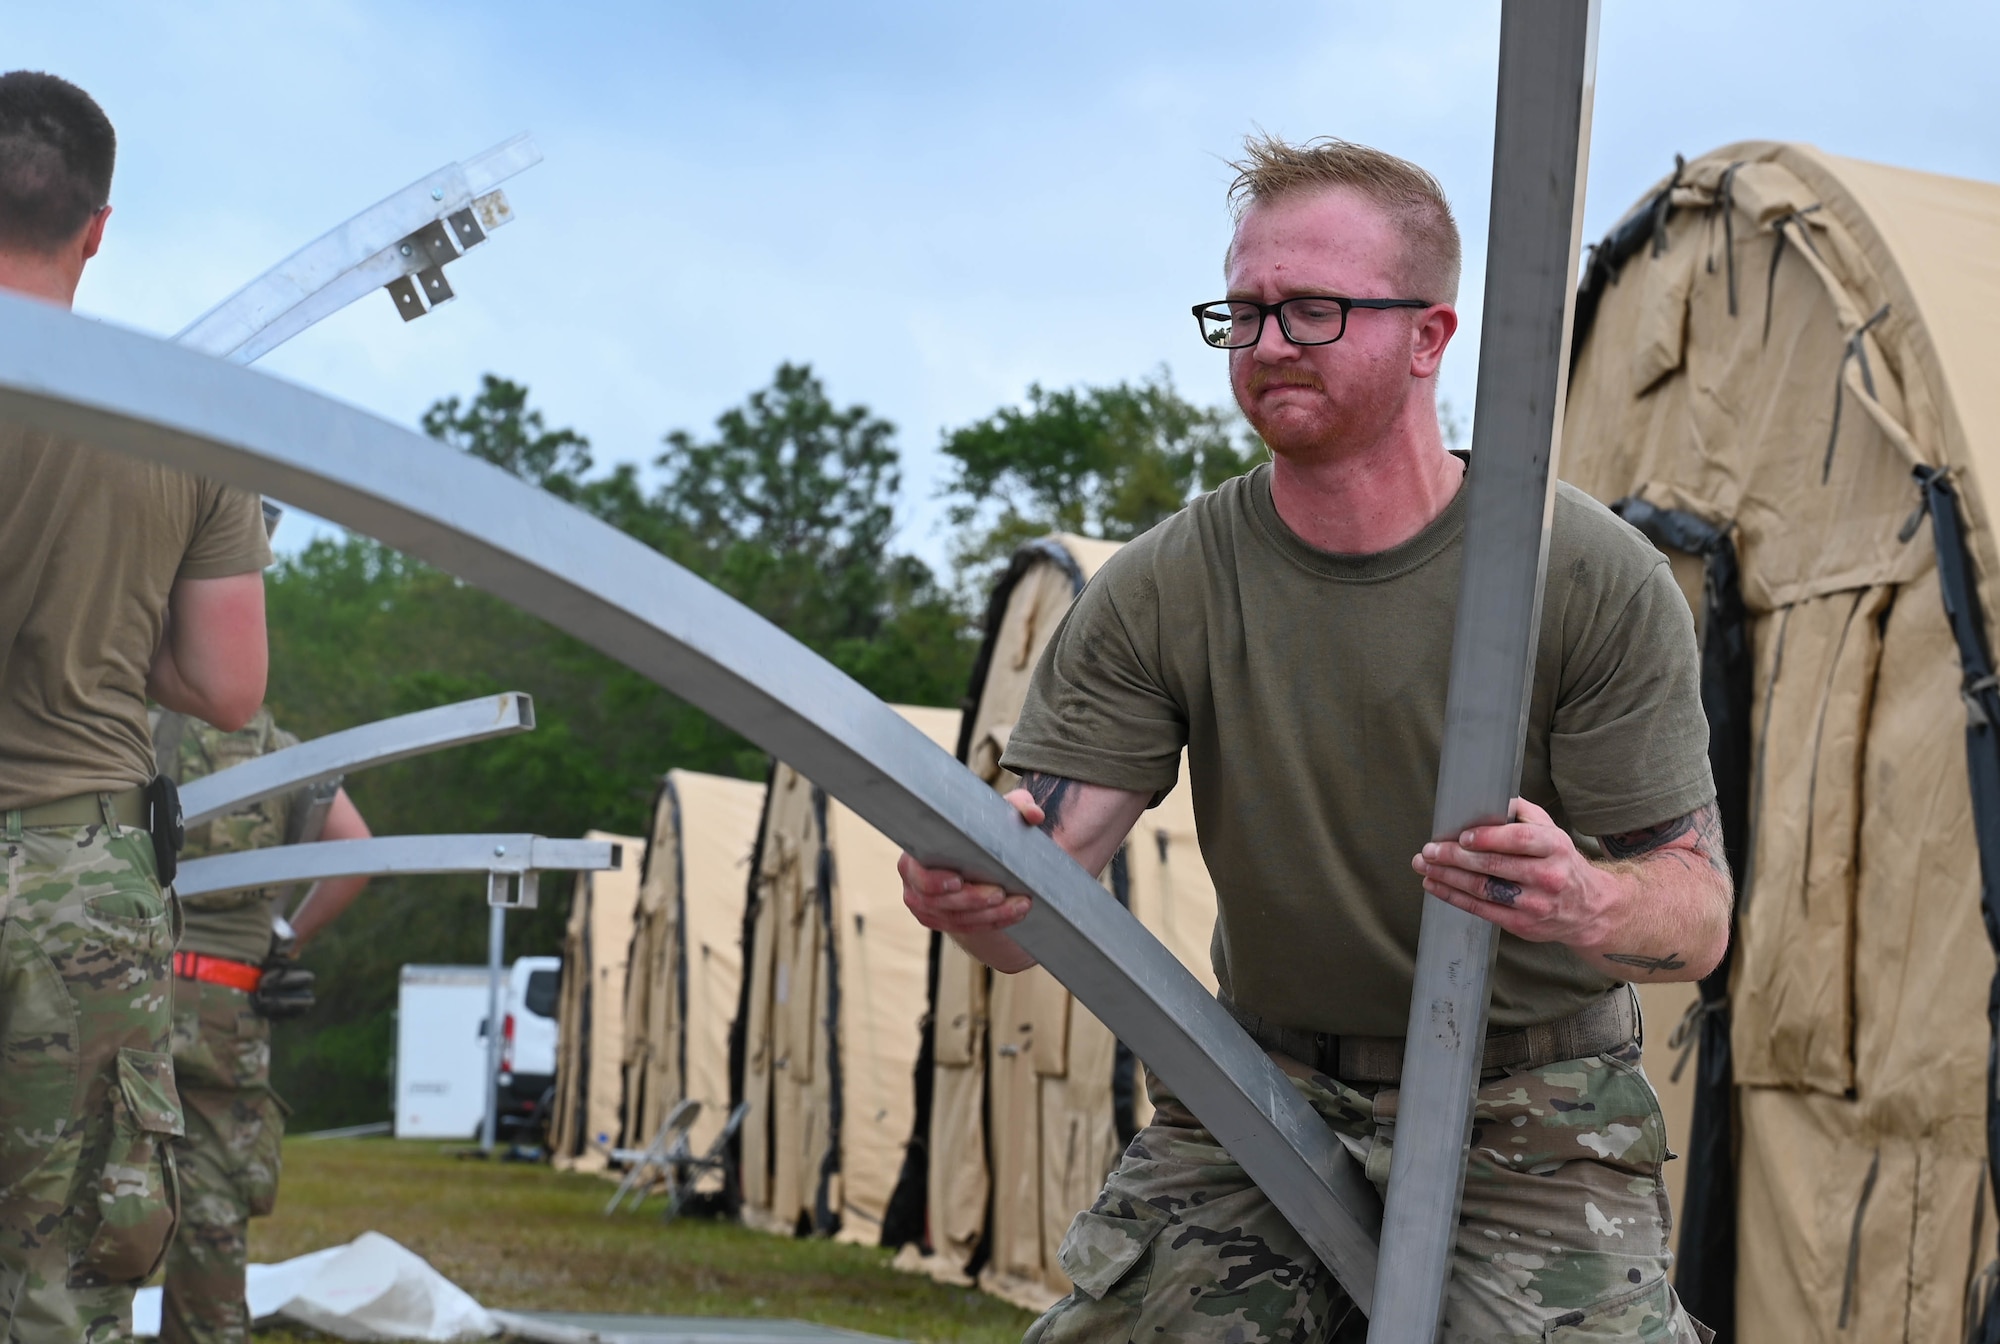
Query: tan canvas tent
[(685, 971), (1773, 350), (830, 1016), (590, 1021), (1026, 1099)]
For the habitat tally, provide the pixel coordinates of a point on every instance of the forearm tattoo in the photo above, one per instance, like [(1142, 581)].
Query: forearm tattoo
[(1704, 824), (1052, 792)]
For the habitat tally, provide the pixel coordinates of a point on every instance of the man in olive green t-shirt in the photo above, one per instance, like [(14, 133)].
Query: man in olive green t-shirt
[(118, 580), (1292, 631)]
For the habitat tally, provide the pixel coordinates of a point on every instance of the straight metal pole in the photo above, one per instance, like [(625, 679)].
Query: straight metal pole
[(496, 938), (1548, 54)]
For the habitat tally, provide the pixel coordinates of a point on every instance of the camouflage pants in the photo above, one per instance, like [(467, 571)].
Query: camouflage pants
[(1563, 1235), (228, 1160), (87, 1196)]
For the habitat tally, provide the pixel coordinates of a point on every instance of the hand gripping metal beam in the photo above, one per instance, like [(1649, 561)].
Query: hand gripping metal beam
[(66, 375), (498, 856), (402, 242), (1540, 151), (352, 749)]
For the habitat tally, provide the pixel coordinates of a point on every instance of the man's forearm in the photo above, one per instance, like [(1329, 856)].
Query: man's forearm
[(1669, 911)]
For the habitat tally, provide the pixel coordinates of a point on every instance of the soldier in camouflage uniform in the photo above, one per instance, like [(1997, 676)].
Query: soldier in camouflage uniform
[(119, 579), (1290, 634), (232, 975)]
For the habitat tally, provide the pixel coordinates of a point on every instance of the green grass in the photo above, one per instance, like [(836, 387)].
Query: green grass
[(525, 1238)]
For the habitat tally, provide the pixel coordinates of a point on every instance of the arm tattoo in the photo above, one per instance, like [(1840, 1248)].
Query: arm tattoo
[(1671, 962), (1051, 791), (1704, 823)]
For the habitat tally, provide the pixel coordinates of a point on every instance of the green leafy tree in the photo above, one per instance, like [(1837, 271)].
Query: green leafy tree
[(1102, 461), (498, 425)]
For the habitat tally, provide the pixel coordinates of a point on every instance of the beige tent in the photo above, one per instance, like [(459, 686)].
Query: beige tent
[(686, 966), (831, 1012), (1769, 348), (1030, 1098), (591, 1018)]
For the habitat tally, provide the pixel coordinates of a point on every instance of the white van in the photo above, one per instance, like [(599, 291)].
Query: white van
[(528, 1041)]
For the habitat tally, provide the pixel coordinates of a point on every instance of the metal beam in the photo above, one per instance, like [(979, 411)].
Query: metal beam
[(124, 391), (401, 242), (352, 749), (1548, 54), (391, 856)]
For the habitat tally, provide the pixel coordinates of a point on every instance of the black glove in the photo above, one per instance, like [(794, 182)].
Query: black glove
[(286, 989)]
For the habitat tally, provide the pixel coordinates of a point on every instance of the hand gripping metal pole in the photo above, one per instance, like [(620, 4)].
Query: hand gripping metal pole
[(353, 749), (400, 243), (498, 856), (65, 375), (1547, 69)]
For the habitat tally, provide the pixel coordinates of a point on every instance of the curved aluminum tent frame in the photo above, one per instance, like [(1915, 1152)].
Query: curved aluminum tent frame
[(125, 391), (392, 856), (337, 754)]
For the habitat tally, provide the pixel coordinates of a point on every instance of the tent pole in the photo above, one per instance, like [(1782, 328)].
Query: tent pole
[(1540, 152)]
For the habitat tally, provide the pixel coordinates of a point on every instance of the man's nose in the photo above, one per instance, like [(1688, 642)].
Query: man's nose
[(1271, 344)]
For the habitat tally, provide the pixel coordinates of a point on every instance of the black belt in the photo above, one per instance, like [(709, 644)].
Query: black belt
[(1607, 1025)]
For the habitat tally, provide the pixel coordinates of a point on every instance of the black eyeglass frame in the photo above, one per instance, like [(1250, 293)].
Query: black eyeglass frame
[(1266, 310)]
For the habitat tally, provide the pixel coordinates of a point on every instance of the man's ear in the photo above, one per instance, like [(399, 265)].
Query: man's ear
[(93, 232), (1432, 333)]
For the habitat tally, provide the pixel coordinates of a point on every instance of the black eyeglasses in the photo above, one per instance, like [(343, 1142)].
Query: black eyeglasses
[(1236, 324)]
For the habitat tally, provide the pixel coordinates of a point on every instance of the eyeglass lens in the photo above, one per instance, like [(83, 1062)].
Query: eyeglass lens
[(1304, 321)]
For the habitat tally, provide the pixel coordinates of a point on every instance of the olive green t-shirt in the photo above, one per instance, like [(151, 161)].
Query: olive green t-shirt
[(1309, 691), (91, 542)]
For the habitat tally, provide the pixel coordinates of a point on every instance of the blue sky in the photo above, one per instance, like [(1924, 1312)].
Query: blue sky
[(891, 191)]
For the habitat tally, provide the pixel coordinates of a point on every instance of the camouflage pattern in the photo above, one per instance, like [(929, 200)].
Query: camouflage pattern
[(234, 924), (87, 1184), (1563, 1235), (229, 1160), (222, 1049)]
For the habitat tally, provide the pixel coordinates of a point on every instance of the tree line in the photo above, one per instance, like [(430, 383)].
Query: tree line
[(789, 505)]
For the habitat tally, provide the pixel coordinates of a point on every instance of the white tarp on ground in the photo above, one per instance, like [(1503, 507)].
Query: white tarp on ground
[(371, 1289)]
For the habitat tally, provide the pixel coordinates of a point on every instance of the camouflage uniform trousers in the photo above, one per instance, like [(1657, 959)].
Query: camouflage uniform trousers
[(88, 1110), (1563, 1234), (228, 1160)]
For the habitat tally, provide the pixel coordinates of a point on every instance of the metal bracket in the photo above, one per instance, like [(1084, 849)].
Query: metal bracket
[(401, 243), (125, 391), (505, 859), (342, 753)]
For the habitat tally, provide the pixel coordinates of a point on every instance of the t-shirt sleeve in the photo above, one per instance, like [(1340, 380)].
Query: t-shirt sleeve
[(229, 537), (1098, 710), (1628, 745)]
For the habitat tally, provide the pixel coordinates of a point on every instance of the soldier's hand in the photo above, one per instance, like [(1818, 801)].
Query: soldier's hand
[(942, 898), (286, 990), (1526, 876)]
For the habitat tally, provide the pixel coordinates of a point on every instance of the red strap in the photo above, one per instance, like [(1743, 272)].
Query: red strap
[(217, 971)]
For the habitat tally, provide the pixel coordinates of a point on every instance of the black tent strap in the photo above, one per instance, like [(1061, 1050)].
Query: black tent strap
[(1959, 589)]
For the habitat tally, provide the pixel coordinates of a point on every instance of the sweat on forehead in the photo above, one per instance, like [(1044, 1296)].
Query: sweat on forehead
[(1273, 170)]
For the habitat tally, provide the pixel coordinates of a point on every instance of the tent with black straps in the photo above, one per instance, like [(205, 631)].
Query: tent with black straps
[(1024, 1099), (585, 1122), (1784, 373), (685, 971), (829, 1020)]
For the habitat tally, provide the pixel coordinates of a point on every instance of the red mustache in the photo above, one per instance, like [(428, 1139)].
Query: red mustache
[(1266, 378)]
